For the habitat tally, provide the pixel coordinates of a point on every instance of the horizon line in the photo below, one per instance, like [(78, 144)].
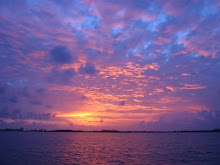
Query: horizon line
[(104, 130)]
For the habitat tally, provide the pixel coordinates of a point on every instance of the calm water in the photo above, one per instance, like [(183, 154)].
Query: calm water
[(108, 148)]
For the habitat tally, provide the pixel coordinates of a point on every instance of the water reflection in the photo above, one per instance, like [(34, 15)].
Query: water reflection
[(109, 148)]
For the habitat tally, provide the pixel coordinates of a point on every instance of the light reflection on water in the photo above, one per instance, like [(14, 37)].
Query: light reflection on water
[(109, 148)]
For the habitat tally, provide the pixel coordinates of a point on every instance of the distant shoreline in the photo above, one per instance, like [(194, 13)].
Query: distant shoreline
[(108, 131)]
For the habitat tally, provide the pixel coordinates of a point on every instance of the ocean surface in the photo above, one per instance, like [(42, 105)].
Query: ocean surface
[(39, 148)]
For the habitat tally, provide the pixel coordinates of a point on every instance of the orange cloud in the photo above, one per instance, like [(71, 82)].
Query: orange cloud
[(192, 86)]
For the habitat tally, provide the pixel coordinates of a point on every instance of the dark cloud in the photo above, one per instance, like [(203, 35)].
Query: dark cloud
[(36, 102), (13, 99), (203, 120), (84, 97), (38, 116), (68, 73), (48, 106), (61, 55), (2, 90), (210, 115), (4, 112), (25, 92), (93, 53), (88, 69), (40, 90), (19, 114), (61, 76), (121, 103)]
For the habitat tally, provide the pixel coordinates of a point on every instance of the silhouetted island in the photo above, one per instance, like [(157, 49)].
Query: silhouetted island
[(106, 131)]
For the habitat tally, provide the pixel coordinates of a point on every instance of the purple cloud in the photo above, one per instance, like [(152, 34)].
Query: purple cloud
[(144, 64)]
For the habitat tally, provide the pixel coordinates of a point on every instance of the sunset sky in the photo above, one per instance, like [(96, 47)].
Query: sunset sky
[(110, 64)]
